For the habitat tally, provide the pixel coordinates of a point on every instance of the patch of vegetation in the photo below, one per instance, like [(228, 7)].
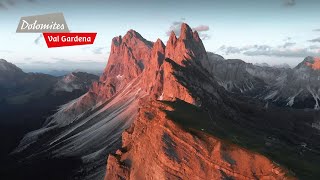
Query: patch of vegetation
[(275, 142)]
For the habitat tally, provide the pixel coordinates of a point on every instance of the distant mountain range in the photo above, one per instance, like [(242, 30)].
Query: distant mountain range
[(17, 87), (27, 99), (175, 111), (298, 87), (58, 73)]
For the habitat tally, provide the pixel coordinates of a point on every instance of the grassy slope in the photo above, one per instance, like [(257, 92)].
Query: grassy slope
[(270, 142)]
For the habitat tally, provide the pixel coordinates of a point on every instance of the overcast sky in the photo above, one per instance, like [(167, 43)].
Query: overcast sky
[(271, 31)]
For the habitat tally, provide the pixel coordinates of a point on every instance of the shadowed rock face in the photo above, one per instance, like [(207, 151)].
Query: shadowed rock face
[(298, 87), (26, 100)]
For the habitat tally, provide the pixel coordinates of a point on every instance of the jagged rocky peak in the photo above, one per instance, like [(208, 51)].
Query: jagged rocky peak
[(128, 56), (133, 37), (116, 41), (158, 52), (310, 62), (188, 46), (133, 55), (314, 64), (76, 81), (196, 36), (172, 38), (186, 32), (159, 45), (7, 66)]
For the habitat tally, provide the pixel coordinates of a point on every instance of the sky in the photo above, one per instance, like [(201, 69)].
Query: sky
[(256, 31)]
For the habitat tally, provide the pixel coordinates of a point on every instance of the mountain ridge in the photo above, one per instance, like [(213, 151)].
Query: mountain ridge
[(131, 96)]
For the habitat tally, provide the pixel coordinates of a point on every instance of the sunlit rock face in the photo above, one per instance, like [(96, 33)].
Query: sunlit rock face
[(154, 147), (187, 47), (314, 63)]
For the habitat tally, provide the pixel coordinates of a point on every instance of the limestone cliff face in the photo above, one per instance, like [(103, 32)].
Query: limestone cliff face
[(187, 47), (132, 56), (128, 58), (154, 147)]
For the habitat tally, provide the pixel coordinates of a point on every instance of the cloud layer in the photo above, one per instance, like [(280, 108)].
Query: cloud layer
[(6, 4), (286, 50), (95, 50), (315, 40), (62, 64), (289, 2)]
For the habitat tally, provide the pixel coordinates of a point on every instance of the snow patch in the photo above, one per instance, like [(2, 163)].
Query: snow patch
[(271, 95), (316, 97), (161, 97), (119, 76), (291, 99)]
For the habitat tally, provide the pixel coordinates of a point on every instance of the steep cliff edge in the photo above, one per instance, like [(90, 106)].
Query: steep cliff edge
[(155, 147)]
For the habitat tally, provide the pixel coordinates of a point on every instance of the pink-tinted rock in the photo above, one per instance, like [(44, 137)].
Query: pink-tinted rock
[(157, 148), (187, 47), (316, 63)]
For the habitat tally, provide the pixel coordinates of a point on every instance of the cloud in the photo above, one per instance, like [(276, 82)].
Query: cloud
[(2, 6), (7, 3), (314, 47), (286, 50), (287, 39), (176, 26), (288, 44), (6, 51), (37, 40), (95, 50), (236, 50), (230, 50), (315, 40), (98, 50), (289, 2), (62, 64), (85, 48), (201, 28), (204, 36), (303, 52), (316, 30)]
